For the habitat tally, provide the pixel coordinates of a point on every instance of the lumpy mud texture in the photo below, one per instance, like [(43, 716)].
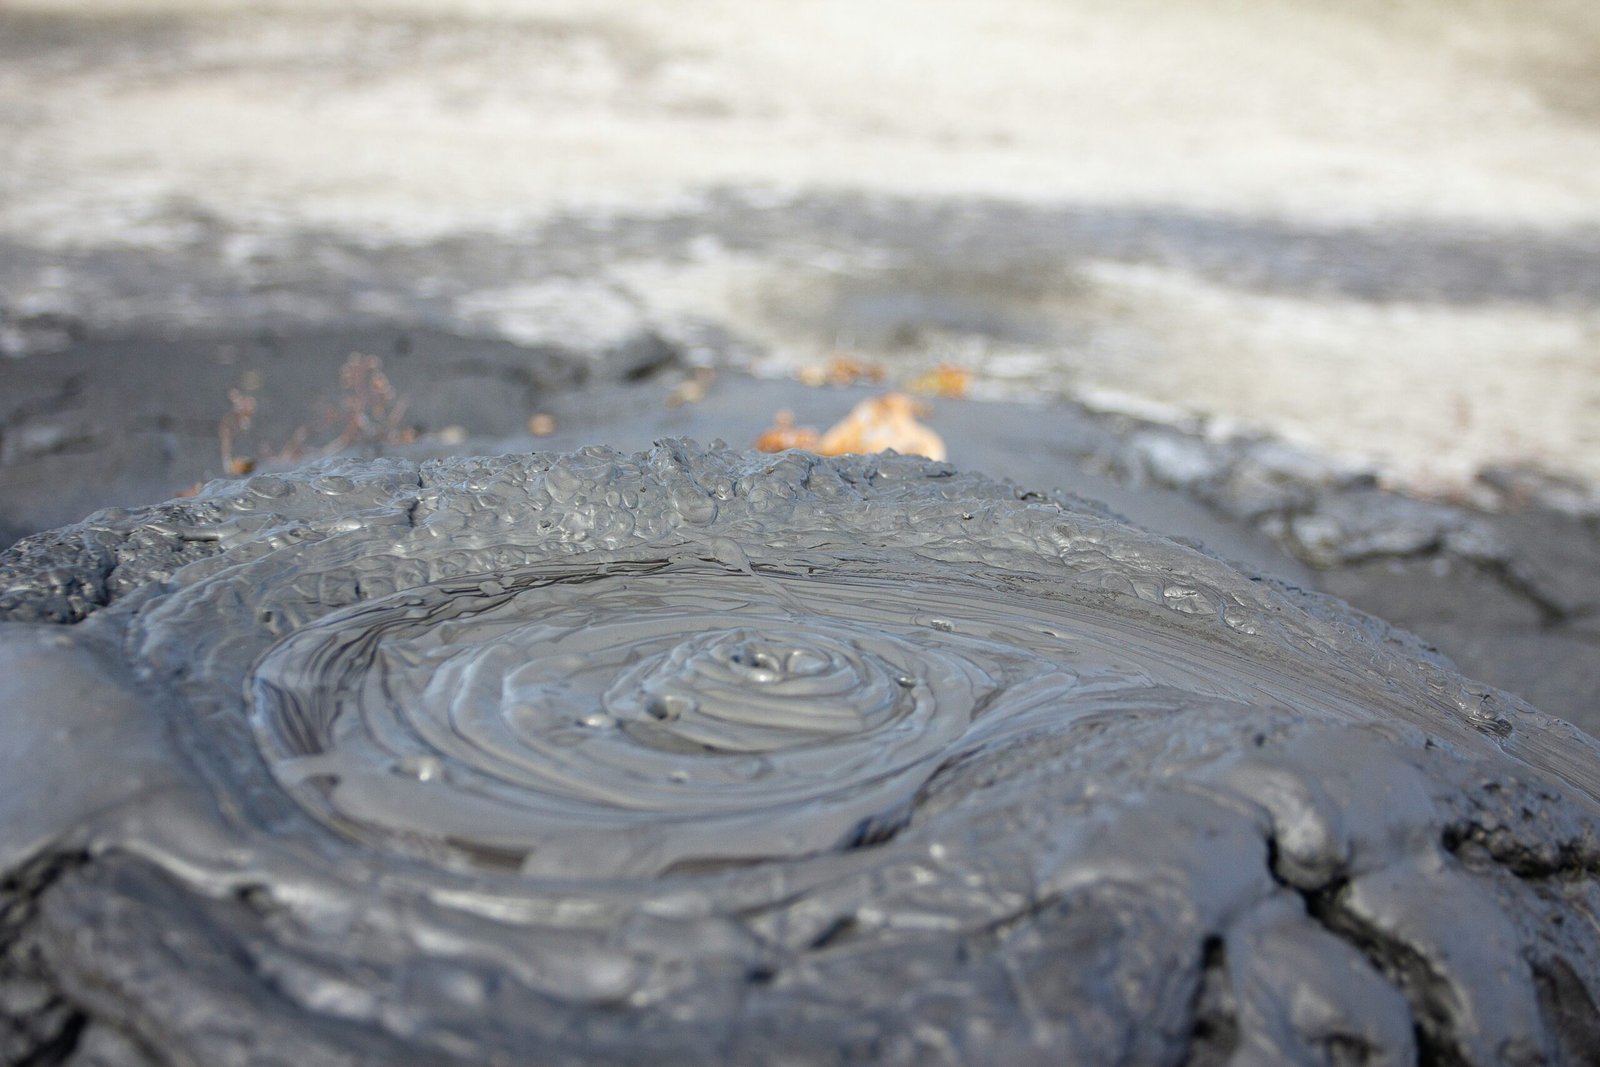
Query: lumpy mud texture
[(694, 757)]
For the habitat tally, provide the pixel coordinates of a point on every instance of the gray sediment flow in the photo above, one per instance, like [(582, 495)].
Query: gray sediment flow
[(709, 757)]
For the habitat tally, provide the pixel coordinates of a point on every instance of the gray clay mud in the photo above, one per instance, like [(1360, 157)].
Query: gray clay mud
[(692, 757)]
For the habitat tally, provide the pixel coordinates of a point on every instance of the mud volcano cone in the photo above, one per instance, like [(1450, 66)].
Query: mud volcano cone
[(695, 757)]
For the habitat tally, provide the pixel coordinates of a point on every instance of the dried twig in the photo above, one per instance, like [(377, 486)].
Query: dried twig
[(241, 413), (369, 411)]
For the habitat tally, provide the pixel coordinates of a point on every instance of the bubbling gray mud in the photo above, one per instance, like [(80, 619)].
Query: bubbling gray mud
[(706, 757)]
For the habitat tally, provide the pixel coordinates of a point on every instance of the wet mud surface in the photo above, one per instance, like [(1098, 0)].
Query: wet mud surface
[(878, 762), (1294, 326), (710, 757), (1505, 592), (1429, 356), (1022, 249)]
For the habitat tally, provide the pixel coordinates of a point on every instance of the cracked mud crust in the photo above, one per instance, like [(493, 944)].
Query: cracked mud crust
[(705, 757)]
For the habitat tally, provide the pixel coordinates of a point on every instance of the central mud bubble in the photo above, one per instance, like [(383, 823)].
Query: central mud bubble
[(583, 723), (705, 757)]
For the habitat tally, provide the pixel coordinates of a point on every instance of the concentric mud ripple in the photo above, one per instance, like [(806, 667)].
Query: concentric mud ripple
[(575, 723), (700, 757)]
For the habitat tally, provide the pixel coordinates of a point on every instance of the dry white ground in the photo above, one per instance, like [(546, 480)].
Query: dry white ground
[(408, 121)]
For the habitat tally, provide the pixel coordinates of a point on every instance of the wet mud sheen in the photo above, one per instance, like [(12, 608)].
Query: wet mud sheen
[(708, 757)]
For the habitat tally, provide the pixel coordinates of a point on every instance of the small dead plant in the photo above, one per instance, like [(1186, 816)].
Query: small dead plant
[(368, 411)]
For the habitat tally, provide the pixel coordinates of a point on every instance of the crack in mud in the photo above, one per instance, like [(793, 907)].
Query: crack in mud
[(39, 1025), (1215, 1035), (1428, 995)]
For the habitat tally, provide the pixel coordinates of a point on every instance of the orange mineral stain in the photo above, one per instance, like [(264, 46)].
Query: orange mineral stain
[(879, 423), (841, 370), (947, 380), (874, 425), (784, 434)]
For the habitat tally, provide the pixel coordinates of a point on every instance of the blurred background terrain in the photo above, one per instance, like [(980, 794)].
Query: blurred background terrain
[(1317, 285)]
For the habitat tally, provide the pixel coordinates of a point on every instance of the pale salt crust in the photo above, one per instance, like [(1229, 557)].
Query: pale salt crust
[(411, 122)]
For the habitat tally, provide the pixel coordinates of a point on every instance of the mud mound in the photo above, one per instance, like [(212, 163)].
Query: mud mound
[(707, 757)]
